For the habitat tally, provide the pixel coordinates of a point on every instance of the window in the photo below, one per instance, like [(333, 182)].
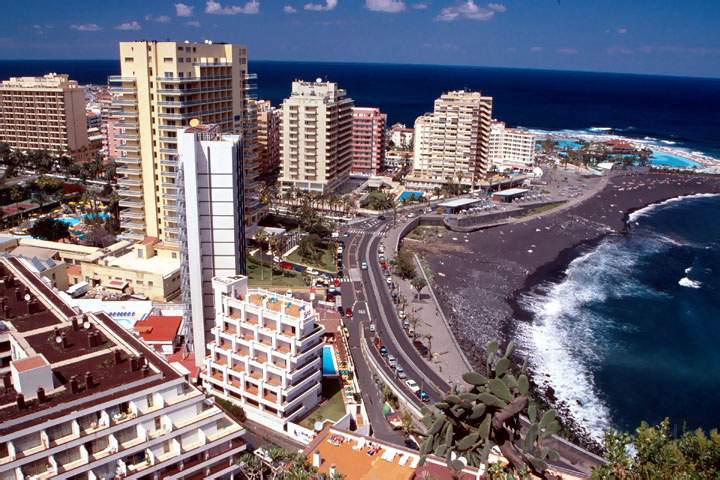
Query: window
[(150, 400), (150, 283), (174, 255), (129, 59), (141, 253)]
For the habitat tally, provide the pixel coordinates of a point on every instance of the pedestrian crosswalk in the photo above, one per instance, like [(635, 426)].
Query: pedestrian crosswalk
[(357, 231)]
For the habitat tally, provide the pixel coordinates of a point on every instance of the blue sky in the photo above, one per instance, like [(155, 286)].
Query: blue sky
[(642, 36)]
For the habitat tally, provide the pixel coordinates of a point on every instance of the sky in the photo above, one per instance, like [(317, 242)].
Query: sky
[(670, 37)]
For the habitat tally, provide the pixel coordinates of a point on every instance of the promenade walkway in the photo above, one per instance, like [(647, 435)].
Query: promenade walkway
[(448, 359)]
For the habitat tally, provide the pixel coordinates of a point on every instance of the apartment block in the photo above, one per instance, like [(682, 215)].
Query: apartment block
[(268, 140), (511, 148), (83, 398), (316, 138), (401, 136), (146, 268), (266, 353), (453, 141), (44, 113), (213, 239), (368, 140), (162, 86)]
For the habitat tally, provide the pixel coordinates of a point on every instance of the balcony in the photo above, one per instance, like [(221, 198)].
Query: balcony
[(129, 182), (130, 193), (120, 79), (129, 171), (126, 147), (128, 214), (125, 101), (131, 204)]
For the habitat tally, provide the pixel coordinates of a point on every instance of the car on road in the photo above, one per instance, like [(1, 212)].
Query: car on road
[(276, 259), (410, 215), (312, 271), (340, 250), (411, 332), (400, 372), (381, 217), (423, 396), (383, 350), (402, 314), (392, 360), (363, 265), (412, 385), (388, 279), (348, 312), (406, 324), (289, 293), (346, 234), (372, 327), (381, 258), (335, 234), (341, 310), (337, 282)]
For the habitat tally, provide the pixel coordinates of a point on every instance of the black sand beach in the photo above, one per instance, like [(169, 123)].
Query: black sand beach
[(478, 281)]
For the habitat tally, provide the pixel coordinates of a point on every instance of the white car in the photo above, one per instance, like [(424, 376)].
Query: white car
[(410, 215), (412, 385), (289, 293), (392, 360), (340, 250), (402, 314), (276, 259), (363, 265), (388, 280), (372, 327), (312, 271)]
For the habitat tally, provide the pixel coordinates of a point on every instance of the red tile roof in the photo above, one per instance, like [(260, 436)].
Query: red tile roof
[(158, 328), (29, 363), (187, 360)]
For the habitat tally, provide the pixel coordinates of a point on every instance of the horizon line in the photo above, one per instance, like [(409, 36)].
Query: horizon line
[(345, 62)]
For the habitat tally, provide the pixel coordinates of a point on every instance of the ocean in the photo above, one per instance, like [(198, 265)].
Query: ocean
[(676, 109), (631, 331), (628, 334)]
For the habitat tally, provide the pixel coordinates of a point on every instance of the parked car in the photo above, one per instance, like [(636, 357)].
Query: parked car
[(392, 360), (372, 327), (349, 312), (388, 279), (402, 314), (276, 259), (341, 310), (422, 349), (383, 350), (311, 271), (401, 374), (363, 265), (411, 332), (424, 397), (289, 292), (381, 217), (412, 385), (406, 324)]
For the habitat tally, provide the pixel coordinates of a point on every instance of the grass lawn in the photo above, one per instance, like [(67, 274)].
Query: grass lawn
[(259, 275), (328, 260), (333, 406)]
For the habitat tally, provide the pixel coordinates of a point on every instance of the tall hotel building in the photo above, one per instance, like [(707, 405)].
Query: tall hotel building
[(316, 138), (511, 147), (454, 139), (368, 140), (211, 206), (268, 139), (265, 354), (44, 113), (162, 86), (82, 398)]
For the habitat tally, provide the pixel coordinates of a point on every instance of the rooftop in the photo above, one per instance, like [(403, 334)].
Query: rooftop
[(460, 202), (159, 328), (91, 357), (510, 192), (163, 265)]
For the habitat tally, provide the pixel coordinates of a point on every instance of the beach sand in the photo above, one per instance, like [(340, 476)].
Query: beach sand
[(478, 283)]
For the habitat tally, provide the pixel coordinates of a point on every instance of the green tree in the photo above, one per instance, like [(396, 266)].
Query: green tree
[(659, 455), (470, 423), (418, 284), (404, 264), (47, 228)]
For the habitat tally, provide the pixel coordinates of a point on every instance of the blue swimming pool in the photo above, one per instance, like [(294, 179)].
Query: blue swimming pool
[(669, 160), (329, 364), (73, 221), (410, 196)]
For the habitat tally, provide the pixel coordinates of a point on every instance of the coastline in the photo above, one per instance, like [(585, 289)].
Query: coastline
[(481, 296)]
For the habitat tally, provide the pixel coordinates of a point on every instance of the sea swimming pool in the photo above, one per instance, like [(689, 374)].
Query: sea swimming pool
[(73, 221), (669, 160)]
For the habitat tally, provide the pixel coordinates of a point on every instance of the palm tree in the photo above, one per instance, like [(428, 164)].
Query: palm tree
[(418, 284), (16, 194), (252, 467), (429, 338)]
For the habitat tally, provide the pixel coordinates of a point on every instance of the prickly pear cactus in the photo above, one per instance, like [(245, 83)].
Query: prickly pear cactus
[(464, 426)]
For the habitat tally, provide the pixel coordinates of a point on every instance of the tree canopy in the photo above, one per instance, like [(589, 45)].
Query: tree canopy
[(48, 228)]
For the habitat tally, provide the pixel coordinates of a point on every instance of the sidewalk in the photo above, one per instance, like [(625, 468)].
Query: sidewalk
[(448, 360)]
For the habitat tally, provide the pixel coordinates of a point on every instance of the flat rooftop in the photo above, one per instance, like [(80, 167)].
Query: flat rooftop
[(510, 192), (91, 358), (159, 265), (460, 202)]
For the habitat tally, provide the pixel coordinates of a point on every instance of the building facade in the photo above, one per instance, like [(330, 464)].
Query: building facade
[(401, 136), (511, 148), (96, 402), (162, 86), (316, 138), (452, 143), (268, 140), (265, 354), (368, 140), (44, 113), (213, 239)]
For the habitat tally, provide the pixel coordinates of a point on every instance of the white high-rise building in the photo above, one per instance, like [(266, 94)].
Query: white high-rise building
[(213, 238), (266, 353), (453, 141), (83, 398), (511, 148), (316, 137)]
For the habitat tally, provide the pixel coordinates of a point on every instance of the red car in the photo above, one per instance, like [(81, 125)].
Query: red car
[(348, 312)]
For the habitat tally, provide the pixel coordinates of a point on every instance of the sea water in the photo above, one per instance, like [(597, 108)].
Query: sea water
[(631, 331)]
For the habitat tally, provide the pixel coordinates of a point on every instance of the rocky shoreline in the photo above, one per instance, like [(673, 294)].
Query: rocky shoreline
[(481, 276)]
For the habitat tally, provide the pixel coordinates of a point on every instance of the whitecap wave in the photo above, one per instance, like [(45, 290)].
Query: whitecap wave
[(668, 142), (634, 216), (600, 129), (686, 282)]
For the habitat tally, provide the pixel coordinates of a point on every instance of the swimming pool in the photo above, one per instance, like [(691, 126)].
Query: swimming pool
[(73, 221), (670, 160), (329, 364), (410, 195)]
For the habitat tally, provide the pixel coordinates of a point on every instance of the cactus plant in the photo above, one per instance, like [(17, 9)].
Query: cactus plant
[(464, 426)]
